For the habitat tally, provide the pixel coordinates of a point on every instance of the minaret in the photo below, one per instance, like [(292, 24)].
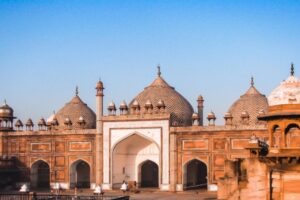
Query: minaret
[(98, 138), (200, 101), (99, 105)]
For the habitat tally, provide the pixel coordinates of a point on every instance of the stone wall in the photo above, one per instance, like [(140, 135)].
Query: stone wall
[(249, 181), (58, 149)]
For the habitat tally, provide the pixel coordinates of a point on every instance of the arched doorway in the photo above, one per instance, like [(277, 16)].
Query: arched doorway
[(80, 174), (292, 136), (149, 174), (40, 175), (195, 175), (127, 156)]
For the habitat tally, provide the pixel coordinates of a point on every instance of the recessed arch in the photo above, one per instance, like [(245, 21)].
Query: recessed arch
[(195, 174), (148, 174), (128, 153), (291, 126), (132, 134), (38, 160), (40, 174), (292, 136), (80, 174)]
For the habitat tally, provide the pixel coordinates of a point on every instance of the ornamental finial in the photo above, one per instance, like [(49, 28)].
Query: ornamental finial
[(76, 91), (292, 69), (252, 81), (158, 70)]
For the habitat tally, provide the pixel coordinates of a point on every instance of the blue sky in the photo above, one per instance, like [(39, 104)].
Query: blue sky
[(210, 48)]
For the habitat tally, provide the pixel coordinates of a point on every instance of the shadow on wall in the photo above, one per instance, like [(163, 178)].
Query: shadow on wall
[(12, 172)]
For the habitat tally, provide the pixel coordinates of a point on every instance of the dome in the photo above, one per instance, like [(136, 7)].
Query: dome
[(75, 109), (123, 105), (29, 122), (160, 92), (211, 116), (288, 92), (19, 123), (6, 111), (228, 115), (195, 116), (250, 104), (42, 122), (112, 106)]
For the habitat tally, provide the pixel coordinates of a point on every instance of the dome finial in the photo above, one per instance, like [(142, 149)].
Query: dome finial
[(76, 91), (4, 101), (252, 81), (292, 69), (158, 70)]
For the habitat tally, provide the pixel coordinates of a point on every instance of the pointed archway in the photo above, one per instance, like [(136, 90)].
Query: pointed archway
[(149, 174), (127, 156), (195, 175), (292, 136), (40, 175), (80, 174)]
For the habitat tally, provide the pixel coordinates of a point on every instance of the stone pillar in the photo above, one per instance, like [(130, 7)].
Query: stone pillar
[(200, 101), (173, 161), (99, 131), (271, 136)]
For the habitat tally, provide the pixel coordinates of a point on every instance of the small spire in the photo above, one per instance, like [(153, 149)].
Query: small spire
[(76, 91), (292, 69), (4, 101), (252, 81), (158, 70), (53, 112)]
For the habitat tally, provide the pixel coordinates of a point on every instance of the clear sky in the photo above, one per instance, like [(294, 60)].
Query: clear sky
[(209, 47)]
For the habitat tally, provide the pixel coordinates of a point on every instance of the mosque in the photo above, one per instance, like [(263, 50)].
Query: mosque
[(156, 141)]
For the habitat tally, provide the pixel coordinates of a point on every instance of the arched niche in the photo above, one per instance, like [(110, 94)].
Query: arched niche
[(40, 175), (292, 136), (194, 175), (127, 154), (80, 174)]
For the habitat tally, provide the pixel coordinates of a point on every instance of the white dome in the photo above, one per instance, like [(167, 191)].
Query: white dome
[(288, 92)]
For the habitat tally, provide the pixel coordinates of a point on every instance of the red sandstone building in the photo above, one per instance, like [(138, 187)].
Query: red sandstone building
[(158, 140)]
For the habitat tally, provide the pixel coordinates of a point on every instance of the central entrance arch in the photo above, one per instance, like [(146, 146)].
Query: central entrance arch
[(195, 175), (40, 175), (80, 174), (149, 174), (127, 156)]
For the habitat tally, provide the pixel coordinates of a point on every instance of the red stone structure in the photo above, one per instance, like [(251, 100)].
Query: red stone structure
[(272, 171), (157, 141)]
